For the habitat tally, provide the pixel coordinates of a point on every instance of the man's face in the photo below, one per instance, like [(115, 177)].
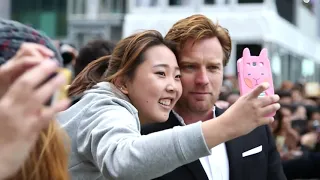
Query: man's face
[(201, 67)]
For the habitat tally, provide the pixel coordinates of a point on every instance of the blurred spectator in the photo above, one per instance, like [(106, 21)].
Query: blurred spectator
[(297, 95), (69, 53), (232, 98), (285, 136), (92, 51), (286, 86), (285, 96), (305, 167), (89, 65)]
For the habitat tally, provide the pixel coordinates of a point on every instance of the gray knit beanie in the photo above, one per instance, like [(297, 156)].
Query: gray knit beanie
[(13, 34)]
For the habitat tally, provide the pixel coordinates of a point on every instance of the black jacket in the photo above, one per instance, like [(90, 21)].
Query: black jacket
[(265, 165)]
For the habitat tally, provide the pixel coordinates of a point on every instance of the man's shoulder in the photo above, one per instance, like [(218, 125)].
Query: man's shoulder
[(258, 137), (258, 133), (261, 131)]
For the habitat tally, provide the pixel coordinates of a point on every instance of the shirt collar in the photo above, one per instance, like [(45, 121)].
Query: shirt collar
[(180, 119)]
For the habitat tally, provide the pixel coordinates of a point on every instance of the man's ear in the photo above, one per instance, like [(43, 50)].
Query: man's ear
[(121, 84)]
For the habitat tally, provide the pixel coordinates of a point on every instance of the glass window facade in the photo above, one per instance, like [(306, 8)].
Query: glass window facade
[(147, 3), (294, 67), (78, 6), (209, 2), (46, 16), (286, 9), (179, 2), (250, 1), (115, 6)]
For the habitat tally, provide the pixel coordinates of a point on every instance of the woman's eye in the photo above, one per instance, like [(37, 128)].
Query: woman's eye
[(161, 73)]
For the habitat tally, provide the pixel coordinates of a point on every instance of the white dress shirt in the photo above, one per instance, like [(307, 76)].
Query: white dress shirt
[(216, 165)]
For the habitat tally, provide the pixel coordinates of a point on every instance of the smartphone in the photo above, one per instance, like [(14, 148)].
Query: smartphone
[(254, 70), (61, 93)]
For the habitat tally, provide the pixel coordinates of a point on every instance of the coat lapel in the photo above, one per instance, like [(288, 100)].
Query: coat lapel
[(195, 167), (234, 150), (197, 170)]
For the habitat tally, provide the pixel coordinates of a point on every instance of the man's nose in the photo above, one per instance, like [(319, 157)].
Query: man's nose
[(202, 77)]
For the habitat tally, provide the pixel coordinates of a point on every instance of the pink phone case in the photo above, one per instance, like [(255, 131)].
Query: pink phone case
[(254, 70)]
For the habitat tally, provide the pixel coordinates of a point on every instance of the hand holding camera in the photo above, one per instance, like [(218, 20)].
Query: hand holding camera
[(24, 90)]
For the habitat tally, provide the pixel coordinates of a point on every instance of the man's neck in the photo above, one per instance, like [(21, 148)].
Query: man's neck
[(190, 117)]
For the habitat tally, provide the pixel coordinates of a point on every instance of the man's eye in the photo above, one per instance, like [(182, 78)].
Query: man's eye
[(213, 67), (188, 66)]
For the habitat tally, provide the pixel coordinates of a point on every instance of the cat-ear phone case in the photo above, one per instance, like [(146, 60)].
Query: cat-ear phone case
[(254, 70)]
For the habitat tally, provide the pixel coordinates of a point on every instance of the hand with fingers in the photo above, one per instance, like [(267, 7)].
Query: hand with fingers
[(250, 112), (23, 95), (29, 54)]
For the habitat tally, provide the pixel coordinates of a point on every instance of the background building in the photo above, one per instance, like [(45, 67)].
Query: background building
[(5, 9), (48, 16), (89, 19), (290, 29)]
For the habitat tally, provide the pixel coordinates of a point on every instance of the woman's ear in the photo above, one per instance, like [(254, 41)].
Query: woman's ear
[(120, 83)]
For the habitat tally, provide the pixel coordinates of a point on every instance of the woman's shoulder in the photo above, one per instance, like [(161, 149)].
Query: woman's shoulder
[(108, 102)]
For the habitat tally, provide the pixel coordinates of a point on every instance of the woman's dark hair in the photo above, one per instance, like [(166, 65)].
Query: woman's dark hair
[(123, 62), (91, 51), (278, 117)]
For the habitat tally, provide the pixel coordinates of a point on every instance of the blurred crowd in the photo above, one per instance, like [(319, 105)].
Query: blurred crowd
[(296, 128)]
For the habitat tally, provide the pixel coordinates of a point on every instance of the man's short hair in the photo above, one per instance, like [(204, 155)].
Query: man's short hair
[(197, 27)]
